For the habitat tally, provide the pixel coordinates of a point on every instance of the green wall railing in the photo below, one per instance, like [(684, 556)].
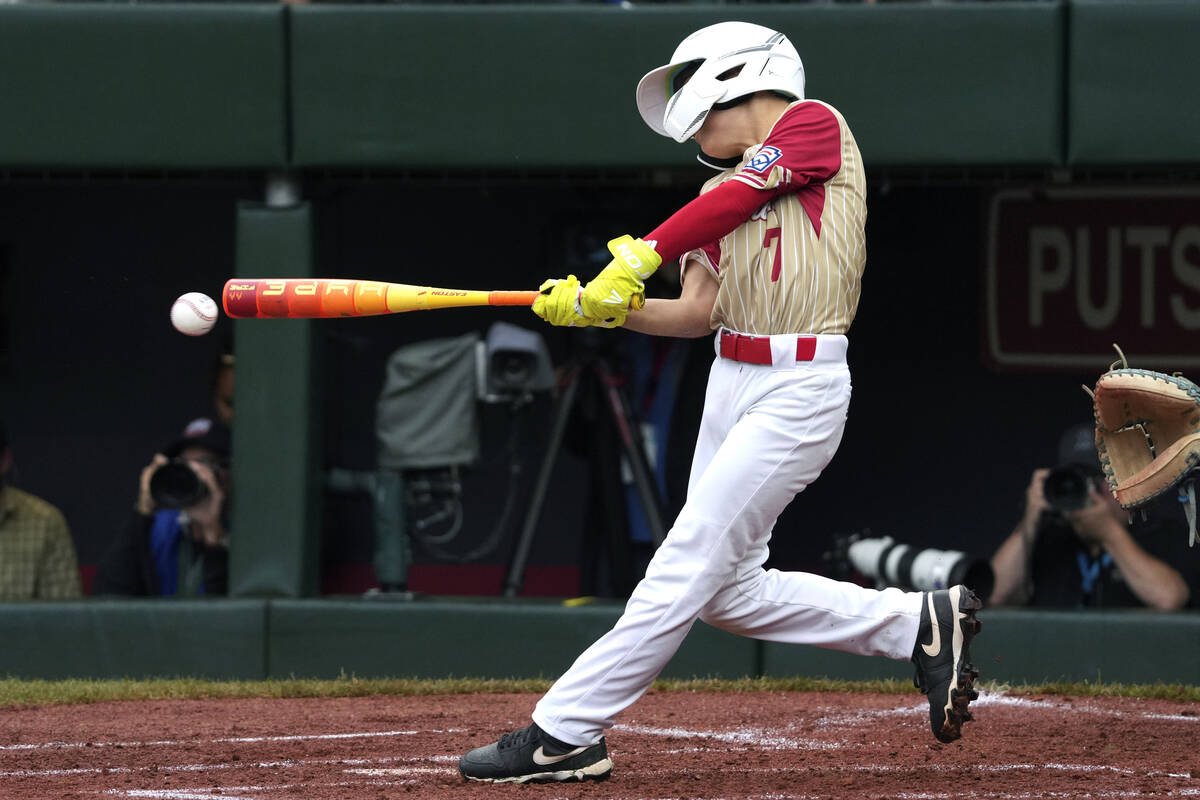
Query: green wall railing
[(525, 87), (281, 639)]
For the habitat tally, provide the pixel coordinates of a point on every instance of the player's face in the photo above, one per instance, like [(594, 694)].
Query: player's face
[(721, 135)]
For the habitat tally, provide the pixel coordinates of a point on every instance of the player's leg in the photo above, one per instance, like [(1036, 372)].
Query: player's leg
[(802, 608), (763, 462), (933, 629), (786, 431)]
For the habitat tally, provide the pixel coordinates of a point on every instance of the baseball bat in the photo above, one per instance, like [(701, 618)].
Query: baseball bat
[(312, 298)]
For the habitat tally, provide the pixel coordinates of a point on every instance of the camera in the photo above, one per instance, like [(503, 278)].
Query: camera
[(176, 485), (890, 563), (512, 363), (1068, 486)]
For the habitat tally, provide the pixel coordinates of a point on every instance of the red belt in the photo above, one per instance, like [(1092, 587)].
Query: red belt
[(757, 349)]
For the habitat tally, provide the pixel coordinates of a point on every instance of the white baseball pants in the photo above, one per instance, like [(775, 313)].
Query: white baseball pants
[(766, 434)]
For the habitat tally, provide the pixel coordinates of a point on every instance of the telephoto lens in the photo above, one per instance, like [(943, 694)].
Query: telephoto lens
[(890, 563), (176, 485)]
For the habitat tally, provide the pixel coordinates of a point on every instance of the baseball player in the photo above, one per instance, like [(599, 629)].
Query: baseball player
[(772, 255)]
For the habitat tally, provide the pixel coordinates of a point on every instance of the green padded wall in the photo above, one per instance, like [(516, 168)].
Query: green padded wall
[(1134, 646), (115, 86), (946, 84), (1134, 83), (1039, 646), (214, 639), (436, 638), (369, 639), (107, 85), (940, 84), (275, 536)]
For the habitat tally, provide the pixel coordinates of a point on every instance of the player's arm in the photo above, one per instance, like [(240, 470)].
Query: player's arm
[(685, 317), (1156, 583), (804, 148), (1011, 562), (706, 219)]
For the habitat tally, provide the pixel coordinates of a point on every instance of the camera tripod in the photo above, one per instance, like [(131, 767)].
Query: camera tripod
[(616, 402)]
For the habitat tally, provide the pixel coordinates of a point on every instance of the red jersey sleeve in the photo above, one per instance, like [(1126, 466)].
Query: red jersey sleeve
[(803, 148)]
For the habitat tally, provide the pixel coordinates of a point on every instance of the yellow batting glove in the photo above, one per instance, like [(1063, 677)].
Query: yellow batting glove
[(619, 287), (558, 303)]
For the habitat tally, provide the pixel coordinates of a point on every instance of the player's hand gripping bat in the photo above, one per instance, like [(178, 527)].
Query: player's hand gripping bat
[(308, 298)]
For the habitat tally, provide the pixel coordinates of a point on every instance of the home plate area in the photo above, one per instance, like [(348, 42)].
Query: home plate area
[(734, 746)]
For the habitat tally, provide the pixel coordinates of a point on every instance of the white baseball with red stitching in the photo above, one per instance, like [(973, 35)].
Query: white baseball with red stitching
[(194, 314)]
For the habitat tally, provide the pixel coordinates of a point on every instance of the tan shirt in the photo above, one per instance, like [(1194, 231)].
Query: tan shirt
[(37, 556), (796, 265)]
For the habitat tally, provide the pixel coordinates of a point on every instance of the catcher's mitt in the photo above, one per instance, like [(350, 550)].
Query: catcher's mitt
[(1148, 436)]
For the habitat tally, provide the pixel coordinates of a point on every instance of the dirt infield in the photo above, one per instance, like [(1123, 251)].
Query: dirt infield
[(749, 746)]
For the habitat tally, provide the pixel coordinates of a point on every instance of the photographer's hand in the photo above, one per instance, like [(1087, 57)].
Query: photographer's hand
[(1099, 522), (145, 503), (1035, 503), (205, 516)]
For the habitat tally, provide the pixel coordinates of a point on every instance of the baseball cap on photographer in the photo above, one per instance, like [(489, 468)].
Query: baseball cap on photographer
[(202, 432)]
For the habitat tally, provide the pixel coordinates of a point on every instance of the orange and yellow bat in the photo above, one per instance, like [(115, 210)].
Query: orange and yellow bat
[(310, 298)]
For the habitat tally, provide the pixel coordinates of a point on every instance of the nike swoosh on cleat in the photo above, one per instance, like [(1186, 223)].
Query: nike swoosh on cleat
[(542, 760), (935, 645)]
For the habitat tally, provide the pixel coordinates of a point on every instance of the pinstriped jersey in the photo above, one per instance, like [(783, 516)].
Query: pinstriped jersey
[(796, 265)]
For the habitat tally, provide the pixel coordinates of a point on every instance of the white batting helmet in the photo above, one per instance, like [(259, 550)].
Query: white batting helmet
[(722, 63)]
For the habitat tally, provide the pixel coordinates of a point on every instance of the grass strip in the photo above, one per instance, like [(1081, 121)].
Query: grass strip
[(15, 692)]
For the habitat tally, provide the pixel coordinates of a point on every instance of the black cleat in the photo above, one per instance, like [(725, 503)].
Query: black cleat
[(531, 754), (944, 669)]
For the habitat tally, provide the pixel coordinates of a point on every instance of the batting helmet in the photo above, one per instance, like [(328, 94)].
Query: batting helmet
[(721, 63)]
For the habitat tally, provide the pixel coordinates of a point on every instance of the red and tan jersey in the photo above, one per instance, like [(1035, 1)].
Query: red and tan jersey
[(796, 265)]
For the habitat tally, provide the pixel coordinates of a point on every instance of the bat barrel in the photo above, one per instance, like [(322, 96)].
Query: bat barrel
[(316, 298), (296, 298)]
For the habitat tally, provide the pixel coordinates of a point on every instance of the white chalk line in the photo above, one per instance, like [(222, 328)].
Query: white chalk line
[(838, 717), (755, 736), (1000, 699), (758, 737), (935, 767), (227, 740), (762, 738), (972, 795), (238, 792), (400, 771), (228, 765), (205, 794), (832, 716)]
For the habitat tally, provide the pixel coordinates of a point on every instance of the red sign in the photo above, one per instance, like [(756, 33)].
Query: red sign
[(1071, 271)]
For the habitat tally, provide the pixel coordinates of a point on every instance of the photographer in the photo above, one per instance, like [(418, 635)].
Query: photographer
[(176, 540), (37, 554), (1075, 546)]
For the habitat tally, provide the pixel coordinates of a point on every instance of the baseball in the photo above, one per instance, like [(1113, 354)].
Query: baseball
[(194, 314)]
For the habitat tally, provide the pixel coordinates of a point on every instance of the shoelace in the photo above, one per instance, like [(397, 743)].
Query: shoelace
[(516, 738)]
